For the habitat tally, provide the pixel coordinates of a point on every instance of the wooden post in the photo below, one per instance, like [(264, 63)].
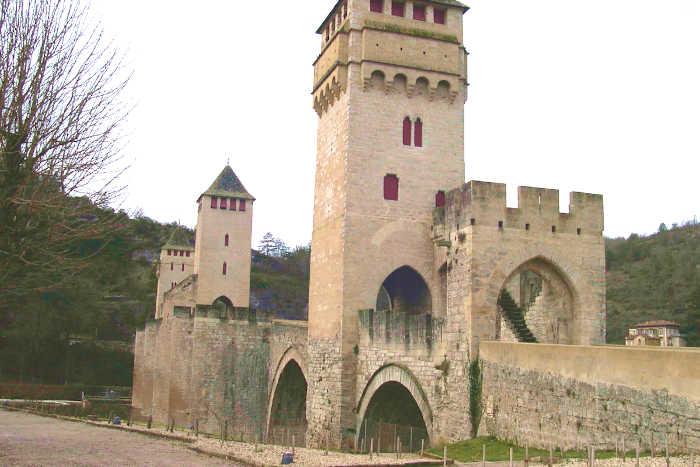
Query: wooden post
[(653, 451), (410, 444), (668, 458), (379, 441), (196, 428), (398, 447), (527, 455), (624, 450), (371, 447), (327, 441), (444, 456), (510, 456), (592, 457), (551, 456), (422, 446), (483, 455), (293, 445), (637, 451), (617, 452)]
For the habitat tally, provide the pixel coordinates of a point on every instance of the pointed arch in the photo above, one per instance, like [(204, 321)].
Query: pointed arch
[(407, 131), (418, 133)]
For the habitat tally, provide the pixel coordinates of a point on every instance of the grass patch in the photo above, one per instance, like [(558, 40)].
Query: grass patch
[(497, 450)]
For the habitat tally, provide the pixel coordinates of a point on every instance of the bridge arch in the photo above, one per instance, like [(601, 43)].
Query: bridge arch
[(286, 407), (394, 384)]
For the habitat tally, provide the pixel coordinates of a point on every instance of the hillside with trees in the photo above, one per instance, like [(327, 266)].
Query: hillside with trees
[(655, 277)]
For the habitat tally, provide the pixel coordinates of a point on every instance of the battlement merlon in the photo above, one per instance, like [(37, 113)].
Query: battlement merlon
[(484, 204)]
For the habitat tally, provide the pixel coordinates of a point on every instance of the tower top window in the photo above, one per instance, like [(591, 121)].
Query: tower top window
[(439, 15), (376, 6), (418, 12), (398, 8)]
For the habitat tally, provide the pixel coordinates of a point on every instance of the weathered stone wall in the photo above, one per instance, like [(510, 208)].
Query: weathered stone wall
[(137, 396), (575, 395)]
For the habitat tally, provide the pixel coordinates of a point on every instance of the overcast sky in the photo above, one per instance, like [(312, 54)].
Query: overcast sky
[(599, 96)]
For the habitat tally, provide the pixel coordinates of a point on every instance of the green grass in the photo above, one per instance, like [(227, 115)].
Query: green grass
[(497, 450)]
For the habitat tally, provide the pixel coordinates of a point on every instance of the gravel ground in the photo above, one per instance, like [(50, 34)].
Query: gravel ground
[(643, 462), (32, 440)]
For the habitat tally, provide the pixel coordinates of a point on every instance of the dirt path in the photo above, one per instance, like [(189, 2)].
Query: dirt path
[(30, 440)]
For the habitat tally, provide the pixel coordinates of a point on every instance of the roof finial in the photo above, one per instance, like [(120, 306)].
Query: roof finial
[(228, 160)]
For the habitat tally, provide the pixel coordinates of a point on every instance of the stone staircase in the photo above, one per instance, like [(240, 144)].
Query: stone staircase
[(515, 317)]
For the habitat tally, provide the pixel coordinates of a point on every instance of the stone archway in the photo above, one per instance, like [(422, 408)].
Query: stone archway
[(286, 408), (537, 303), (393, 396)]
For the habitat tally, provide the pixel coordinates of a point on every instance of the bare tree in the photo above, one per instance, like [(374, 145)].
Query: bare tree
[(61, 108)]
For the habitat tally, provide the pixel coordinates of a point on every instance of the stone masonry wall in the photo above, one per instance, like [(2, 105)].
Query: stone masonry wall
[(571, 396)]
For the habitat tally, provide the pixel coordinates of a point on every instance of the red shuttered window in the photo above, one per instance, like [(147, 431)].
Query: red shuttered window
[(391, 187), (213, 202), (170, 252), (241, 206), (187, 254), (407, 131), (223, 204), (439, 15), (398, 8), (419, 12), (418, 137), (226, 240), (440, 199), (376, 5), (172, 266), (224, 269), (183, 268), (232, 204)]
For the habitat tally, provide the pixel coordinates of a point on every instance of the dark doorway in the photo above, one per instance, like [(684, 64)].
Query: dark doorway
[(393, 413), (404, 291), (288, 415)]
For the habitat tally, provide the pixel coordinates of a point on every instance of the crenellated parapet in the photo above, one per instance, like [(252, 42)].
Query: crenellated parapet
[(484, 204)]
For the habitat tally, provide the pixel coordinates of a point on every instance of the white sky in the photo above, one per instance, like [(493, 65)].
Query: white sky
[(599, 96)]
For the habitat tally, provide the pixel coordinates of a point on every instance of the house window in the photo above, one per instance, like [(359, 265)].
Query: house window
[(418, 137), (187, 253), (226, 240), (391, 187), (183, 267), (440, 199), (223, 203), (232, 204), (170, 252), (419, 12), (172, 266), (224, 269), (407, 131), (241, 207), (439, 15), (376, 5), (398, 8), (182, 252), (213, 202)]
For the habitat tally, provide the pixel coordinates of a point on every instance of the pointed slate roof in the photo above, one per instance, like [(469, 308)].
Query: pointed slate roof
[(179, 239), (227, 185)]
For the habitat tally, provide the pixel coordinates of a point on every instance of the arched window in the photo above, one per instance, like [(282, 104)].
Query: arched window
[(407, 131), (391, 187), (440, 199), (224, 269), (226, 240), (418, 137)]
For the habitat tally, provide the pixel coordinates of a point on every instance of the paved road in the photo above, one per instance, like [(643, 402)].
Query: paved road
[(31, 440)]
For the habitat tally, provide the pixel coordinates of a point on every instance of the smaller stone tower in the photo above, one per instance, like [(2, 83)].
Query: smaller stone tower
[(176, 264), (222, 244)]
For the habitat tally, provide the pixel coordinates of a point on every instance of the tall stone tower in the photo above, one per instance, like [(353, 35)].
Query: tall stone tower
[(389, 89), (222, 242)]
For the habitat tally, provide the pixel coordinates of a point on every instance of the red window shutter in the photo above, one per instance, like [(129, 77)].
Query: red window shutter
[(232, 204), (391, 187), (226, 240), (407, 131), (213, 202), (187, 254), (418, 137), (223, 204), (419, 12), (172, 265), (398, 8), (241, 206), (183, 267), (224, 269), (182, 253), (439, 15), (440, 199), (376, 6)]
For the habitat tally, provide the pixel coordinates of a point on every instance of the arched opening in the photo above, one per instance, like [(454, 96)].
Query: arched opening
[(407, 131), (443, 89), (393, 413), (536, 304), (378, 80), (288, 410), (422, 85), (400, 83), (404, 291), (224, 306)]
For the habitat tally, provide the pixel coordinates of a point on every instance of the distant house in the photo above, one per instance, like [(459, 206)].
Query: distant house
[(655, 333)]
